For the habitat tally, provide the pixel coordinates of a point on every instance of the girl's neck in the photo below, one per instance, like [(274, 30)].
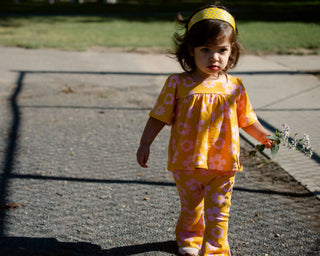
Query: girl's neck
[(219, 77)]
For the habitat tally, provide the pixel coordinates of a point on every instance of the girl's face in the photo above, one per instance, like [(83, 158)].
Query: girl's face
[(211, 59)]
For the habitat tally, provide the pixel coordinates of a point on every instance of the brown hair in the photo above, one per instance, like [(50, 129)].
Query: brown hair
[(201, 34)]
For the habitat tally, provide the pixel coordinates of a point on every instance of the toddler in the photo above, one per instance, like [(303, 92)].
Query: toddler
[(205, 108)]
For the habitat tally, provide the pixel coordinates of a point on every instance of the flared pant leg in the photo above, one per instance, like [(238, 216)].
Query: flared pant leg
[(205, 197), (190, 226)]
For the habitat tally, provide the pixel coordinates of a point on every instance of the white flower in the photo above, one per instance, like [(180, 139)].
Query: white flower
[(283, 137)]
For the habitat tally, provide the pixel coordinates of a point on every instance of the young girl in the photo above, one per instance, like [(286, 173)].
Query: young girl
[(205, 108)]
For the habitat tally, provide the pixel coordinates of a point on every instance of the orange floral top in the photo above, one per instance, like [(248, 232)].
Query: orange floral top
[(205, 119)]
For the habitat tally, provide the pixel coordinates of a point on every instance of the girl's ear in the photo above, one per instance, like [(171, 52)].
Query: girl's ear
[(191, 50)]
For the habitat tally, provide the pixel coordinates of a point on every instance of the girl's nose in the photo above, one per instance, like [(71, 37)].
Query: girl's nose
[(214, 56)]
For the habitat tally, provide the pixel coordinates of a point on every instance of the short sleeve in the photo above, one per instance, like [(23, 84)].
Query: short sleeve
[(246, 115), (164, 107)]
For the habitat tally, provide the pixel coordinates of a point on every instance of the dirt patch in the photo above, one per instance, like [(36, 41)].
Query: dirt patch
[(271, 178)]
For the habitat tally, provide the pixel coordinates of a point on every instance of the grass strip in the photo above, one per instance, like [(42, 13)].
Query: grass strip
[(82, 32)]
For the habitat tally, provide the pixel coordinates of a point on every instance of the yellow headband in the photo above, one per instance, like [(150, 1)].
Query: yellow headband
[(212, 14)]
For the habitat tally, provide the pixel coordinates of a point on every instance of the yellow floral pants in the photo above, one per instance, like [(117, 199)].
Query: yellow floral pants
[(205, 202)]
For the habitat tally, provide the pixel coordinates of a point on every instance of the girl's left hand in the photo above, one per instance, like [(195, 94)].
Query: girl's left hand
[(267, 142)]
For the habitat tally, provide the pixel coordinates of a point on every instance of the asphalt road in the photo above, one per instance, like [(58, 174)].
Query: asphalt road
[(70, 124)]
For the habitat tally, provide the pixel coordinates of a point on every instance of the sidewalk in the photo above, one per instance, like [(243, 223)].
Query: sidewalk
[(70, 123)]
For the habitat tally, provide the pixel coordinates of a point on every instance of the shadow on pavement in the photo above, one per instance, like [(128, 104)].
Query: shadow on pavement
[(168, 246), (10, 152), (28, 246)]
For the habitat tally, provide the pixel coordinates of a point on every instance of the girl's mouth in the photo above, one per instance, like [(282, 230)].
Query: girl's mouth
[(213, 67)]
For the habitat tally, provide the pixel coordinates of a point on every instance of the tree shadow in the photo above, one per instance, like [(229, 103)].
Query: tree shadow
[(153, 11), (10, 152), (27, 246)]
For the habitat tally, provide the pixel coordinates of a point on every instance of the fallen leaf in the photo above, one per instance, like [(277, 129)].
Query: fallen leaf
[(68, 90), (11, 206)]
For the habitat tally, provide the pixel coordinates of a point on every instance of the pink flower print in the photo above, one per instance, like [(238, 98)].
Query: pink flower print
[(174, 81), (253, 116), (235, 88), (227, 243), (235, 133), (208, 84), (213, 116), (176, 174), (204, 107), (233, 149), (174, 144), (160, 110), (183, 128), (198, 159), (215, 214), (189, 113), (217, 232), (188, 82), (169, 99), (186, 236), (185, 209), (193, 184), (182, 191), (186, 145), (188, 220), (216, 162), (227, 111), (227, 186), (219, 143), (227, 88), (219, 125), (186, 99), (187, 162), (224, 106), (218, 198), (212, 99), (200, 124), (197, 196), (250, 106), (241, 103), (243, 121), (235, 166), (204, 172), (212, 246), (184, 201), (206, 190), (174, 158)]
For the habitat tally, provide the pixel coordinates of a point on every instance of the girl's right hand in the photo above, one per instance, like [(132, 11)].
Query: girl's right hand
[(143, 155)]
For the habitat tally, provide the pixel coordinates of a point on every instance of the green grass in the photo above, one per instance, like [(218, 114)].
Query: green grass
[(282, 26), (83, 32), (80, 33), (280, 37)]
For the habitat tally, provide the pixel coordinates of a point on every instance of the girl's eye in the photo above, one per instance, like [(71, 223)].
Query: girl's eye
[(205, 50), (223, 50)]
